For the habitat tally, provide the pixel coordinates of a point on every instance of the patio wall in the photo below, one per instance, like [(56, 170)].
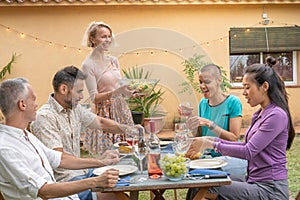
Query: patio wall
[(156, 37)]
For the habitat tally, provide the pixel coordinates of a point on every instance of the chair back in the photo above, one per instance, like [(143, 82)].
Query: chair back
[(1, 197)]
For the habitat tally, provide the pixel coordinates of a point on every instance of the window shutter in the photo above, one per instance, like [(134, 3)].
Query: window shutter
[(265, 39)]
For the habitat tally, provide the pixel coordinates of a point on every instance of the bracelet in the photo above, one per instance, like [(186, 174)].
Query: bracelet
[(212, 125)]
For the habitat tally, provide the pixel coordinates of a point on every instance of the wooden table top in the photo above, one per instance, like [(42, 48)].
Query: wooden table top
[(155, 185), (164, 183), (168, 134)]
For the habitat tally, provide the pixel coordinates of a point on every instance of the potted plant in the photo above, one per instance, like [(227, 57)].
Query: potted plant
[(191, 67), (147, 105)]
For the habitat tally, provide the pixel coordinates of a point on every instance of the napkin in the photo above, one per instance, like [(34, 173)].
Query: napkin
[(168, 149), (207, 172), (124, 181)]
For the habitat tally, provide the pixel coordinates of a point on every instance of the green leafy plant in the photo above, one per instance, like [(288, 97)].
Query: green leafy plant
[(148, 104), (7, 69), (192, 66)]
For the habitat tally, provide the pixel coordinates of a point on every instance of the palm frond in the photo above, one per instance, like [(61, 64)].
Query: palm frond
[(7, 69)]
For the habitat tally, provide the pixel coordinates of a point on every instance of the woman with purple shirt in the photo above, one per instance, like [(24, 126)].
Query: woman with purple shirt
[(269, 136)]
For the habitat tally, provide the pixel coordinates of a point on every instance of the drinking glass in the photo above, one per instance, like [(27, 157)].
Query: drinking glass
[(186, 113), (186, 109), (130, 134), (180, 127), (129, 140), (181, 143), (140, 151)]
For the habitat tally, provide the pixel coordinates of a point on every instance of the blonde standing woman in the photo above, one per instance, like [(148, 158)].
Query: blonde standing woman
[(103, 78)]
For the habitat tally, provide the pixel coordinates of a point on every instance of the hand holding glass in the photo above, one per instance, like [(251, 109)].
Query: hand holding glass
[(185, 109)]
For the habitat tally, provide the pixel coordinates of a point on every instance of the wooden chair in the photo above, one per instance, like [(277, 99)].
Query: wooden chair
[(1, 197)]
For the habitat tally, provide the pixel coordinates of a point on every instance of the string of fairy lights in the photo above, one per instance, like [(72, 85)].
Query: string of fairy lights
[(36, 39)]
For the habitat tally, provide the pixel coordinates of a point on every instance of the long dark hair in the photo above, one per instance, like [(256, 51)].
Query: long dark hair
[(277, 93)]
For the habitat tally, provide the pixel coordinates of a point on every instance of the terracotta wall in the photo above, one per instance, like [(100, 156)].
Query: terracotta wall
[(171, 33)]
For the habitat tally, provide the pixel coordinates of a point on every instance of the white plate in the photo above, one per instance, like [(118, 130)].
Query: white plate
[(123, 144), (207, 163), (116, 145), (123, 169)]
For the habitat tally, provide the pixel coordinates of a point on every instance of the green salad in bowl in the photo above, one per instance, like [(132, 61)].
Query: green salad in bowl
[(140, 86)]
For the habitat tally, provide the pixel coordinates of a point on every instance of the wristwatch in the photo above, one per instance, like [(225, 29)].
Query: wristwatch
[(212, 125)]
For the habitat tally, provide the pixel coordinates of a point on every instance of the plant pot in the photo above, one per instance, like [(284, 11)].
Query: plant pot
[(137, 117), (159, 123)]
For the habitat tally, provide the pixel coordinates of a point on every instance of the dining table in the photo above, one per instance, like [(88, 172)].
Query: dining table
[(158, 186)]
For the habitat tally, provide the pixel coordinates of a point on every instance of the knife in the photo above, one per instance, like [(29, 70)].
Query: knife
[(215, 176), (208, 176)]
